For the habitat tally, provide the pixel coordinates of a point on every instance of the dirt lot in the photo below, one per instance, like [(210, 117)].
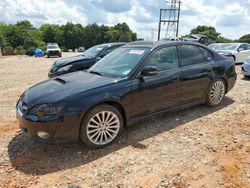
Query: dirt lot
[(196, 147)]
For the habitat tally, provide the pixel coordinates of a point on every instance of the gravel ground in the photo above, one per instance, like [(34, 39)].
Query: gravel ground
[(196, 147)]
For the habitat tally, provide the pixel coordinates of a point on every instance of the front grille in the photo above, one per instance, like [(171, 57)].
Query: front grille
[(53, 52)]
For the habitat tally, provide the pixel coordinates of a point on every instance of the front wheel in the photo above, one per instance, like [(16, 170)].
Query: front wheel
[(216, 93), (101, 126)]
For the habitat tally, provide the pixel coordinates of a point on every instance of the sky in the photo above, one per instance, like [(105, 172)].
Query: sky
[(230, 18)]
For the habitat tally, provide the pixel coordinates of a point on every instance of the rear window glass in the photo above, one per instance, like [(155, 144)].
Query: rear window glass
[(208, 55), (190, 55)]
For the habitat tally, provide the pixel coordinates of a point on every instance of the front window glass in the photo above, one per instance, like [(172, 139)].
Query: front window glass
[(52, 46), (242, 47), (164, 59), (93, 52), (119, 63)]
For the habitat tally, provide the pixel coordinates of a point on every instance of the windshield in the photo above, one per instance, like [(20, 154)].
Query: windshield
[(228, 46), (52, 46), (93, 52), (119, 63)]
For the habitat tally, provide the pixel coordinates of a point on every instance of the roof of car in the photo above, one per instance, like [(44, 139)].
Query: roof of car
[(155, 44), (112, 44)]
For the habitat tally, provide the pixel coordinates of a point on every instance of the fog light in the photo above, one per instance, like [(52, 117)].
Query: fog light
[(43, 134)]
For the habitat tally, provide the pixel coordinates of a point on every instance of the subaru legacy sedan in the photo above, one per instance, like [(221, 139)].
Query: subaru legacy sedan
[(132, 82)]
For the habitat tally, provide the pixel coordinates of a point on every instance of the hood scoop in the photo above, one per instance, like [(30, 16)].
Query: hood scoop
[(60, 80)]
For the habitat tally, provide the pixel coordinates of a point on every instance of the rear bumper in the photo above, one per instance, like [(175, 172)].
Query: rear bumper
[(62, 130), (245, 70)]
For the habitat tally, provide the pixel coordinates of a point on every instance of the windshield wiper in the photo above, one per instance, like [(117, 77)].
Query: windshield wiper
[(95, 72)]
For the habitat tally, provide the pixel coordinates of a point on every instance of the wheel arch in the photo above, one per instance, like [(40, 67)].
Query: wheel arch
[(112, 103), (226, 84)]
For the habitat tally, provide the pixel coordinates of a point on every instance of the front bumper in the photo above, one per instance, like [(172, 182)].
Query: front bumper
[(54, 53), (245, 70), (63, 130)]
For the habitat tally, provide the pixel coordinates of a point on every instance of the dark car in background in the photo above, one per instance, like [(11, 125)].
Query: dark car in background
[(83, 61), (132, 82)]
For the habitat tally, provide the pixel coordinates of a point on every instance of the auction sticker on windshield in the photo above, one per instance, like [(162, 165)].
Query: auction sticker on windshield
[(137, 52)]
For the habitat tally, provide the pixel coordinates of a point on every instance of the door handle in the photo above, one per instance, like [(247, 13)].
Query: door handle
[(175, 78)]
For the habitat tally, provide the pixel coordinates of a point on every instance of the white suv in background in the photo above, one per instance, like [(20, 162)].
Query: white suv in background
[(53, 50), (238, 51)]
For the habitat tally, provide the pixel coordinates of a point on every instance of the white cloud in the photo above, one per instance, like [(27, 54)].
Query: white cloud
[(229, 17)]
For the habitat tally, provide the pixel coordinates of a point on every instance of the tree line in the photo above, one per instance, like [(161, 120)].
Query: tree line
[(23, 35), (215, 36)]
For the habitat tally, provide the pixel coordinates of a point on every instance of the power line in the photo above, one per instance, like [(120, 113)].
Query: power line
[(172, 21)]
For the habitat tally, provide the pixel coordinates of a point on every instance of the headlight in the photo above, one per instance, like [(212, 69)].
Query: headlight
[(47, 109), (64, 69)]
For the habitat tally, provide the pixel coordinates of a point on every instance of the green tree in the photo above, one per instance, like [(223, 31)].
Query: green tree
[(245, 38), (120, 32), (22, 35), (211, 33), (51, 33), (206, 30)]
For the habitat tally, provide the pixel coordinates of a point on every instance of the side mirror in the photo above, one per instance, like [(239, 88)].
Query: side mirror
[(240, 49), (209, 59), (149, 71)]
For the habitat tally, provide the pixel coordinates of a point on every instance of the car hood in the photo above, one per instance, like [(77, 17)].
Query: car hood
[(64, 87), (69, 60)]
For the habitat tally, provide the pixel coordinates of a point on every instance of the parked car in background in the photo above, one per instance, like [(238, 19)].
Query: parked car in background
[(203, 39), (30, 52), (83, 61), (237, 51), (81, 49), (53, 50), (132, 82), (246, 67)]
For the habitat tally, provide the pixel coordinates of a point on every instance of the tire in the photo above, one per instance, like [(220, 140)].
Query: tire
[(47, 56), (95, 132), (216, 93)]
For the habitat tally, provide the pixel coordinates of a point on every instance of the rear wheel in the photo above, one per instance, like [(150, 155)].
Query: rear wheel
[(101, 126), (216, 93)]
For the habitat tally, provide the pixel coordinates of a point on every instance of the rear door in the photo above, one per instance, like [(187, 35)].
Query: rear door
[(196, 71)]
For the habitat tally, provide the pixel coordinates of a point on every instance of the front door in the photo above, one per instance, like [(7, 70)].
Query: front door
[(154, 93), (243, 52)]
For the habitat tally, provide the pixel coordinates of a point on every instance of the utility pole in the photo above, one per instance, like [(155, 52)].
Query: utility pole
[(172, 21)]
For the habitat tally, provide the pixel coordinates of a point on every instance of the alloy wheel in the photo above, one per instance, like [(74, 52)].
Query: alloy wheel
[(103, 127), (217, 92)]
